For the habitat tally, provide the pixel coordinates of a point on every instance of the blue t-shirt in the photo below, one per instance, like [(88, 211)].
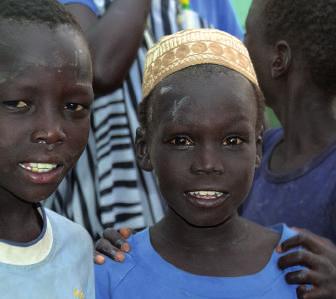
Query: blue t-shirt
[(145, 274), (220, 14), (304, 198), (57, 265), (88, 3)]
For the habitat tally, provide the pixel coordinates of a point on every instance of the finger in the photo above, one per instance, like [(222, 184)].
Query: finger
[(105, 247), (305, 240), (313, 293), (123, 245), (99, 259), (304, 277), (299, 258), (318, 239), (125, 232), (303, 290), (116, 239)]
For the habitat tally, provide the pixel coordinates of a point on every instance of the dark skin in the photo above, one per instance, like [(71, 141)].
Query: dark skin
[(205, 140), (309, 128), (114, 39), (309, 125), (45, 97)]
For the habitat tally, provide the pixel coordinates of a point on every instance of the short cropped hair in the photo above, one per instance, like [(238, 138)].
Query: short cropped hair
[(309, 26), (49, 12), (145, 109)]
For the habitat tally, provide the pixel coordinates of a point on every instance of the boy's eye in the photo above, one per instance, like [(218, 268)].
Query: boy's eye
[(74, 107), (181, 140), (16, 104), (234, 140)]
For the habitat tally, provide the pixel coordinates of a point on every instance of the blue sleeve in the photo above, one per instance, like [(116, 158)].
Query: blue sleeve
[(88, 3), (102, 282), (109, 276), (220, 14)]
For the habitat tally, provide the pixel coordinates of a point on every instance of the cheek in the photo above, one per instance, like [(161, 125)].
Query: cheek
[(240, 169), (169, 167), (13, 146), (77, 136)]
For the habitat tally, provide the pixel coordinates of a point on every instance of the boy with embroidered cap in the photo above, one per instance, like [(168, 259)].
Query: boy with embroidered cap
[(45, 98), (200, 120)]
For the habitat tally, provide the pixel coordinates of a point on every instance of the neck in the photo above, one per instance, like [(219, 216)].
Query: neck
[(177, 233), (308, 118), (19, 220), (234, 248)]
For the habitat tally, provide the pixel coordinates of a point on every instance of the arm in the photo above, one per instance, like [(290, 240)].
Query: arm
[(114, 39), (318, 256)]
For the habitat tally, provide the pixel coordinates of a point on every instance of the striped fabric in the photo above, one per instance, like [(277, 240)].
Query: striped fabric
[(128, 195), (106, 188)]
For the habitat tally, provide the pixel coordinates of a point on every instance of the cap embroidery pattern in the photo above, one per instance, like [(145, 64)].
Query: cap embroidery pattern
[(192, 47)]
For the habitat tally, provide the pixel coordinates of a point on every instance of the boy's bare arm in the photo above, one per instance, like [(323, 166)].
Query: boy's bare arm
[(114, 39), (318, 256)]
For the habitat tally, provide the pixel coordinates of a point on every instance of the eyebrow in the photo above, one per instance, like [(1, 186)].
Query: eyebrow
[(80, 88)]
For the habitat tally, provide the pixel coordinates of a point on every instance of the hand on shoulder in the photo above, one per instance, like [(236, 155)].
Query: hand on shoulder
[(318, 256), (113, 244)]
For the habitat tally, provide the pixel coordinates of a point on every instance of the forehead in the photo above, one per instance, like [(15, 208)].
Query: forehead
[(26, 45), (205, 98)]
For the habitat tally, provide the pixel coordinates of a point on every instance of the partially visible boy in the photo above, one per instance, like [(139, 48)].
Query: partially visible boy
[(45, 98)]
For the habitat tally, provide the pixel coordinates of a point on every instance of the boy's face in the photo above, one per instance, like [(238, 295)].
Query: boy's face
[(45, 97), (203, 145)]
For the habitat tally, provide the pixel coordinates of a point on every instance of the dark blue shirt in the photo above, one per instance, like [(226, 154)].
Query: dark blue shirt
[(303, 198)]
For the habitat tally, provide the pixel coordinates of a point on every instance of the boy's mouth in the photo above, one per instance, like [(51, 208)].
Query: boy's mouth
[(207, 198), (42, 172), (36, 167), (205, 194)]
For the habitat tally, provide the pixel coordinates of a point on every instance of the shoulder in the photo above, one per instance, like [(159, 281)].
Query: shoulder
[(88, 3), (68, 232), (271, 136), (284, 231), (111, 275)]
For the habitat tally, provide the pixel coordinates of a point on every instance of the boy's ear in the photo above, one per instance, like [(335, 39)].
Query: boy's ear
[(142, 150), (259, 151), (281, 59)]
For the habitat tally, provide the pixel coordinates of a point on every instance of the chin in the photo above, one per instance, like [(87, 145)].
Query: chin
[(37, 197)]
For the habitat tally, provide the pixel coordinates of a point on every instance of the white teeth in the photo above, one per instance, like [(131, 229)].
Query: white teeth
[(38, 167), (206, 194)]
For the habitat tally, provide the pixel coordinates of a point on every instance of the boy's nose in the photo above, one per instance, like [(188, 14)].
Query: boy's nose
[(207, 162), (50, 136)]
